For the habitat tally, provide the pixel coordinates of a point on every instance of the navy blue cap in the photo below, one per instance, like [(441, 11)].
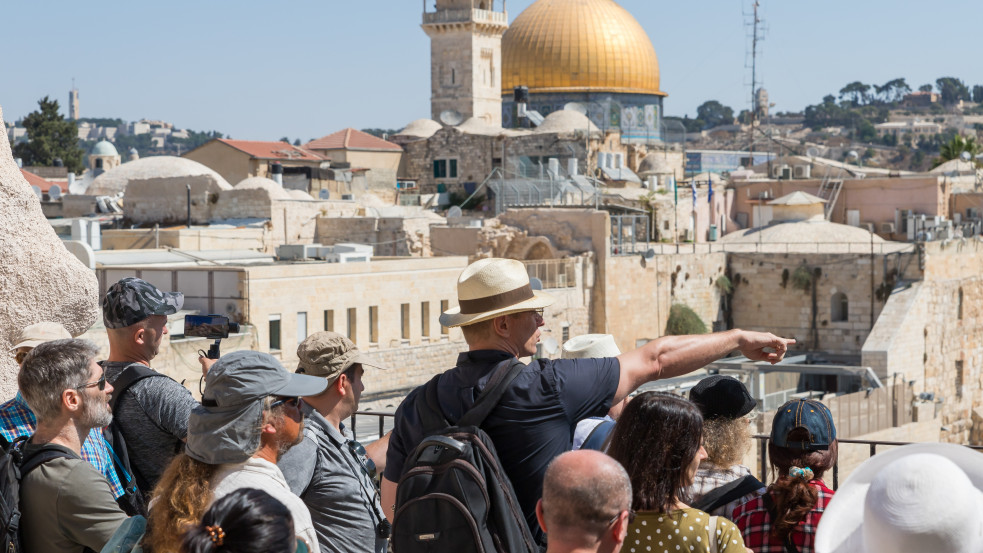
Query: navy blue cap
[(809, 414)]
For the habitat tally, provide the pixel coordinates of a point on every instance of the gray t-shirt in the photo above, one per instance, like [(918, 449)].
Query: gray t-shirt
[(66, 506), (153, 417), (343, 500)]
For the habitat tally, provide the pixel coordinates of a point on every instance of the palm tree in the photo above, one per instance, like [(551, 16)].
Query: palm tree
[(955, 147)]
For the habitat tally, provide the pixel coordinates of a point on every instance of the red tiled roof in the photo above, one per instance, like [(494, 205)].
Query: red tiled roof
[(41, 183), (271, 150), (351, 139)]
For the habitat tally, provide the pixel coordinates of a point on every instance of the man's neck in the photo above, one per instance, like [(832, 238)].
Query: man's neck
[(66, 433), (494, 343), (120, 354), (268, 452)]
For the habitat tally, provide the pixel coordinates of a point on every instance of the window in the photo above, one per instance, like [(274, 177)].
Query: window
[(959, 379), (274, 332), (301, 326), (329, 320), (445, 168), (443, 307), (404, 321), (351, 325), (839, 308), (374, 324), (566, 334), (425, 319), (960, 312)]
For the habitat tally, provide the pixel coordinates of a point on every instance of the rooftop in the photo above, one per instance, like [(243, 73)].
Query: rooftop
[(271, 150), (352, 139)]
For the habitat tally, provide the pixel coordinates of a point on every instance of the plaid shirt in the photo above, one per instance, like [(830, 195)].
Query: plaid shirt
[(709, 478), (17, 419), (755, 522)]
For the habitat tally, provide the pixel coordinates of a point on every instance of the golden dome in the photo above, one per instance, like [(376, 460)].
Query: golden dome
[(578, 46)]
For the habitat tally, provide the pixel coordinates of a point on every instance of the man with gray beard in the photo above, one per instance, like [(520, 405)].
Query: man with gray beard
[(66, 504)]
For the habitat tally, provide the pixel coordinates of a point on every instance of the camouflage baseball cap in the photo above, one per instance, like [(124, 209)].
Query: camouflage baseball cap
[(132, 300)]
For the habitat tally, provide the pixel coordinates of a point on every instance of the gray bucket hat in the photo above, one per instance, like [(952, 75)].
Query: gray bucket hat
[(225, 427)]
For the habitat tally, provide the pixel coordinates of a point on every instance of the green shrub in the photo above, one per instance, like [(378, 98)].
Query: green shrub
[(683, 320)]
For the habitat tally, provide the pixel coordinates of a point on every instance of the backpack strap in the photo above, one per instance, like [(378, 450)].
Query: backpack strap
[(131, 480), (504, 374), (722, 495), (598, 435), (133, 373), (41, 457), (773, 513)]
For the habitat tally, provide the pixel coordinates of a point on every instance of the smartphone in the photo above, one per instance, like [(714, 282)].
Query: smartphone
[(209, 326)]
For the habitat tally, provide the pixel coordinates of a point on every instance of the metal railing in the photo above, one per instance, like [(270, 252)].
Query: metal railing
[(383, 423), (763, 454), (879, 248), (465, 16), (554, 273)]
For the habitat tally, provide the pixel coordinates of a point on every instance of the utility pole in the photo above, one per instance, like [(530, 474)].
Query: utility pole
[(756, 35)]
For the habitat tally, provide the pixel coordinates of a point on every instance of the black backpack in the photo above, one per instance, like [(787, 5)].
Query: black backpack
[(133, 502), (454, 494), (13, 467)]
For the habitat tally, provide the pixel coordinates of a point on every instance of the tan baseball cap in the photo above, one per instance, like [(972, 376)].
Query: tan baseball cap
[(39, 333), (328, 354)]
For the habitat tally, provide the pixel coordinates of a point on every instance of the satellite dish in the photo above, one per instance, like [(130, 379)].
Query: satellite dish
[(649, 255), (812, 151), (54, 192), (535, 283), (37, 191), (451, 118), (324, 194), (852, 154), (576, 106), (454, 211), (966, 156), (551, 345)]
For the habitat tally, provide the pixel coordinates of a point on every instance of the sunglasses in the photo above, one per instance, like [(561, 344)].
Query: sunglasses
[(368, 465), (291, 401), (631, 517), (100, 384)]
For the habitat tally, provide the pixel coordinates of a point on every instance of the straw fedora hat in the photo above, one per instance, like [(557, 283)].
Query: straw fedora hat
[(587, 346), (919, 497), (490, 288)]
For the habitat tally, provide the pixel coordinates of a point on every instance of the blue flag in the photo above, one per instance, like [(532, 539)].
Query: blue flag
[(694, 193), (710, 193)]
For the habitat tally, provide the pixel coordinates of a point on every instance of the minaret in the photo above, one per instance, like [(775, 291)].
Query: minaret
[(466, 58), (73, 102)]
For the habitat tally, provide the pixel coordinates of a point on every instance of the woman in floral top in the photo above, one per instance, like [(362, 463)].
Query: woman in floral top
[(658, 439)]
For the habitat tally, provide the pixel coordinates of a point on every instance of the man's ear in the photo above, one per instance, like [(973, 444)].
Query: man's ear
[(139, 335), (71, 399), (619, 530), (539, 515), (268, 426), (501, 326), (339, 383)]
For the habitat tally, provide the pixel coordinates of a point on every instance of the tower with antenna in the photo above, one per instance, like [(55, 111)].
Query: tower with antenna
[(756, 31)]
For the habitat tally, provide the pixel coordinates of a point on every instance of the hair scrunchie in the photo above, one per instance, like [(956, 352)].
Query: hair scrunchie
[(216, 534), (803, 473)]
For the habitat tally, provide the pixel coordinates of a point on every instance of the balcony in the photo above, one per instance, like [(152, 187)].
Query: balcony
[(481, 17)]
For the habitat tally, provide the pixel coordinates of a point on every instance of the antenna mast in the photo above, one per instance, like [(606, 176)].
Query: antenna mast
[(757, 34)]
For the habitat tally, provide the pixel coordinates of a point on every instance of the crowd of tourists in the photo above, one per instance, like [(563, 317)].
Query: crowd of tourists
[(493, 454)]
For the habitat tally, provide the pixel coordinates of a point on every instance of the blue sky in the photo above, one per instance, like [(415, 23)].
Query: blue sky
[(302, 69)]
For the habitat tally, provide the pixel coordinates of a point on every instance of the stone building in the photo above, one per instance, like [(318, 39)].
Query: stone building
[(103, 157), (236, 160), (116, 181), (359, 150)]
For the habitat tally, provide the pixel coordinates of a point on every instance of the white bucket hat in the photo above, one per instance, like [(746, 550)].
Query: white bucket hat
[(490, 288), (916, 498), (590, 345)]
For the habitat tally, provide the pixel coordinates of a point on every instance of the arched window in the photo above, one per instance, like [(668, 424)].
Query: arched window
[(98, 164), (839, 308)]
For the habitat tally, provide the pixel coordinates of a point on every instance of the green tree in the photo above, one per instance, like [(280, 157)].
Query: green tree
[(714, 114), (955, 147), (856, 92), (866, 132), (683, 320), (50, 136), (925, 88), (978, 93), (952, 90)]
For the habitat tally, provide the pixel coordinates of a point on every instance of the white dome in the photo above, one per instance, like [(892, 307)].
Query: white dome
[(421, 128), (115, 180), (262, 183), (299, 195), (566, 121), (654, 164), (104, 148), (803, 232)]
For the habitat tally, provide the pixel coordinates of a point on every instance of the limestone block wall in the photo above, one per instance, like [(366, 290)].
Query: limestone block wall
[(390, 236), (42, 281), (764, 297), (638, 294), (251, 203), (185, 239), (573, 230), (165, 200)]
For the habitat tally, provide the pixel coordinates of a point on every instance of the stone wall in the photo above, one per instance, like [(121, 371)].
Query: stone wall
[(765, 297), (185, 239), (165, 200), (390, 236)]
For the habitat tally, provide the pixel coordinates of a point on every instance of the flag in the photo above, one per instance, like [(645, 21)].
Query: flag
[(710, 193), (694, 192)]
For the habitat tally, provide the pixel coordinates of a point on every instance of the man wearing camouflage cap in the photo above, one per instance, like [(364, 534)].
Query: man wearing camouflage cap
[(152, 413), (330, 470)]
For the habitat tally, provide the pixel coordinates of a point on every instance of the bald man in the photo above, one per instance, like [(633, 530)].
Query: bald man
[(586, 503)]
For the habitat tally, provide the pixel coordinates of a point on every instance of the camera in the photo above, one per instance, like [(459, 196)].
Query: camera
[(383, 529), (213, 327)]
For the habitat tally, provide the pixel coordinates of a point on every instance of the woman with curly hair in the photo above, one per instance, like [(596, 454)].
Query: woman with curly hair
[(802, 448), (658, 440), (245, 521), (180, 499)]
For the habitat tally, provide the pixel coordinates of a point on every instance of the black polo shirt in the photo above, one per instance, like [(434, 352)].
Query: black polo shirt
[(532, 424)]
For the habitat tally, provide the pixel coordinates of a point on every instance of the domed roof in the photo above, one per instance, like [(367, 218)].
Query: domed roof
[(578, 46), (115, 180), (803, 232), (262, 183), (421, 128), (566, 121), (654, 164), (104, 148), (299, 195)]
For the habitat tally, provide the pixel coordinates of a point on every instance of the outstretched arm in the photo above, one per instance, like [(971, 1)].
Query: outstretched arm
[(671, 356)]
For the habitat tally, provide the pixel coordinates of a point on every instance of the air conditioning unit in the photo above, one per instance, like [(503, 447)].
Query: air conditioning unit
[(776, 171), (868, 226), (887, 228), (802, 171)]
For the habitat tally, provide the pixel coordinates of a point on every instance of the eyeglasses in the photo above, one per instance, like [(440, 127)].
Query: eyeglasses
[(631, 517), (368, 465), (291, 401), (100, 384)]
